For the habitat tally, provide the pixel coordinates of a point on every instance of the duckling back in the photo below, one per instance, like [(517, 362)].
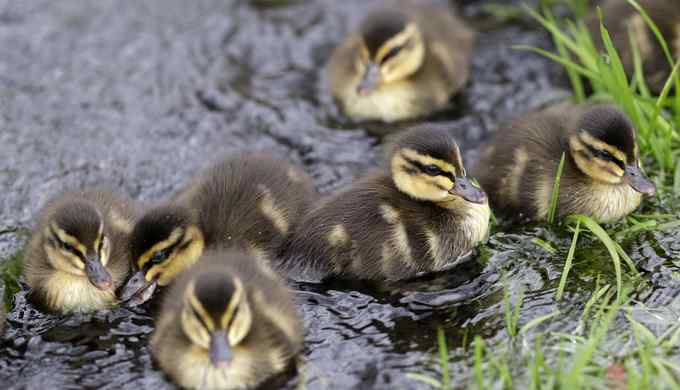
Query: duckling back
[(248, 201), (253, 330)]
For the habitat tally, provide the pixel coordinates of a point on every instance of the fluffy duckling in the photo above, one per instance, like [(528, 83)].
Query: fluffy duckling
[(226, 323), (77, 255), (621, 19), (404, 62), (248, 201), (601, 176), (421, 213)]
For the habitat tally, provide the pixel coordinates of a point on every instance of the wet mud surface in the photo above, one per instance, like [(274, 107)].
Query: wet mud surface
[(140, 95)]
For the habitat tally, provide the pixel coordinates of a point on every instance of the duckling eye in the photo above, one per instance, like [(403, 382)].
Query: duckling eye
[(432, 170), (68, 247), (393, 52), (159, 257), (605, 155)]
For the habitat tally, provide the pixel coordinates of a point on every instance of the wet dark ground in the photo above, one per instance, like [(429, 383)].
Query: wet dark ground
[(140, 95)]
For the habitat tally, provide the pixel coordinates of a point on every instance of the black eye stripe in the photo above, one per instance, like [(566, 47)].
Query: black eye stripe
[(604, 155), (393, 52), (423, 168), (57, 242)]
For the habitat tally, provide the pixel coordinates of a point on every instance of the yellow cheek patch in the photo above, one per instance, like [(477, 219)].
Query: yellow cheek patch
[(64, 261), (597, 144)]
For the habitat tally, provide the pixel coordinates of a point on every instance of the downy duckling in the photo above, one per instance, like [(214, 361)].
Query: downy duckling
[(248, 201), (226, 323), (601, 176), (420, 213), (77, 255), (622, 21), (405, 61)]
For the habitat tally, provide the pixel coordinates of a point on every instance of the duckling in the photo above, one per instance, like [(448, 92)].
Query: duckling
[(406, 61), (77, 254), (419, 213), (248, 201), (622, 20), (226, 323), (601, 176)]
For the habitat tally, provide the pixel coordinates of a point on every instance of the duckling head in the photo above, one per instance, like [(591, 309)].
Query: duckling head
[(216, 315), (392, 48), (604, 148), (427, 165), (76, 243), (164, 242)]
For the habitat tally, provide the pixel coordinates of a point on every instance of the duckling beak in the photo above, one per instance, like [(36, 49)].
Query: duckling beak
[(468, 191), (220, 352), (97, 274), (370, 80), (137, 290), (638, 181)]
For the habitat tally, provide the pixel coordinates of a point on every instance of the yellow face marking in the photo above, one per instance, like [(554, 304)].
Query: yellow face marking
[(233, 304), (175, 236), (597, 144), (198, 307), (242, 320), (407, 60), (598, 169), (178, 261), (428, 160), (398, 40), (417, 187), (64, 261), (65, 237), (191, 325), (277, 216)]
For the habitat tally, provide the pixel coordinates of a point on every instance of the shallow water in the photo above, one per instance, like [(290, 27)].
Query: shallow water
[(140, 95)]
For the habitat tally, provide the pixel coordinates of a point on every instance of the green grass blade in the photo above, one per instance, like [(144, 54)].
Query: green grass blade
[(537, 321), (424, 379), (479, 371), (443, 359), (568, 262), (602, 235), (554, 196)]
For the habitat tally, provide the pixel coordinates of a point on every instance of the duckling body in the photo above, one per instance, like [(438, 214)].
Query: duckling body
[(248, 201), (77, 254), (621, 20), (601, 176), (226, 324), (419, 214), (405, 61)]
